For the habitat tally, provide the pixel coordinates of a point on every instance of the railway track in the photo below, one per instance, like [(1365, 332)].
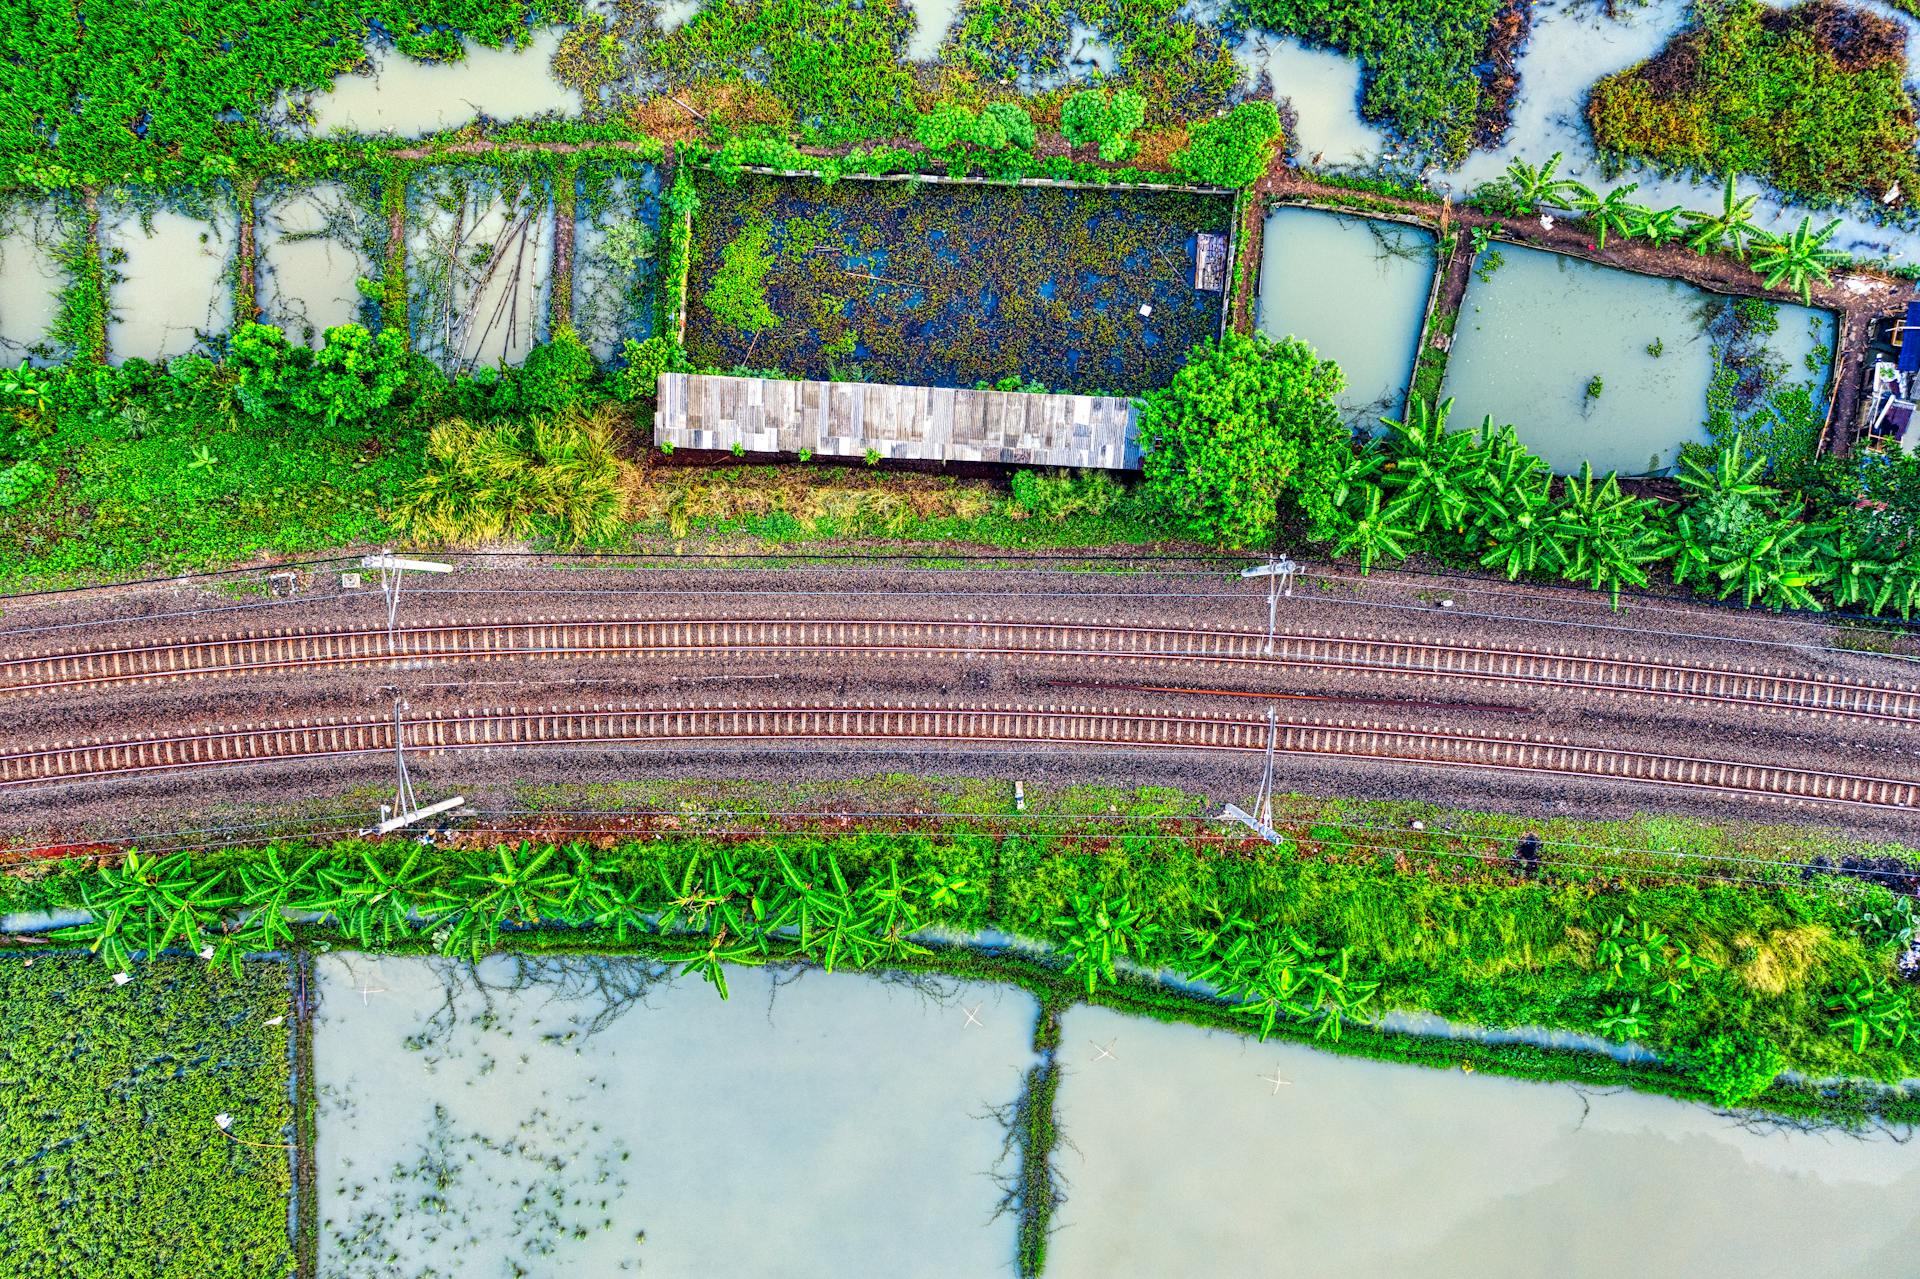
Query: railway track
[(1072, 727), (1391, 656)]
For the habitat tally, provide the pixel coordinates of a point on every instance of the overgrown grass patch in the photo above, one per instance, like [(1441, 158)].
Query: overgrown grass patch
[(111, 1159), (1813, 99), (950, 284)]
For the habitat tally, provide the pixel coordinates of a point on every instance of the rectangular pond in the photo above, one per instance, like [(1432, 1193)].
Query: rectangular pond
[(170, 275), (479, 266), (582, 1116), (313, 247), (1595, 364), (31, 277), (1355, 289), (408, 98), (1184, 1156), (950, 284), (616, 255)]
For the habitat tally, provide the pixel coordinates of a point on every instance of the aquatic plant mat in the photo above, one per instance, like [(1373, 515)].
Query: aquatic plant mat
[(950, 284), (112, 1161)]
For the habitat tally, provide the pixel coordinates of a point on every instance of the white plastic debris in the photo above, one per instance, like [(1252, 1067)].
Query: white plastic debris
[(1892, 196), (224, 1120), (275, 1021), (1546, 221), (1145, 309), (121, 979), (206, 952), (1419, 825)]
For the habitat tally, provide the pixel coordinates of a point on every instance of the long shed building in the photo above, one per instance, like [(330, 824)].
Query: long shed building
[(846, 419)]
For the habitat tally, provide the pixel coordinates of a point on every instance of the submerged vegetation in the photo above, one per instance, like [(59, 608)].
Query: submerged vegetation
[(916, 282), (1812, 99), (114, 1157)]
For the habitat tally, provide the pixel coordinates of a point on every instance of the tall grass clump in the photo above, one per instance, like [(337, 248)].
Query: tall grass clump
[(558, 476)]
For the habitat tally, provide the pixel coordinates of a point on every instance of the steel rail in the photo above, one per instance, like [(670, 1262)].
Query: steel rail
[(1069, 727)]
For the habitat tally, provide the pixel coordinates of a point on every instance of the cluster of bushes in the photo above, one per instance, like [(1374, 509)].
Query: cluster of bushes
[(1719, 975), (1812, 98)]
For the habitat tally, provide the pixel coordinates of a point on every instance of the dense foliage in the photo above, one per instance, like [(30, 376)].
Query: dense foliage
[(1246, 423), (112, 1160), (1233, 151), (1315, 938), (1813, 99), (560, 477), (1421, 58)]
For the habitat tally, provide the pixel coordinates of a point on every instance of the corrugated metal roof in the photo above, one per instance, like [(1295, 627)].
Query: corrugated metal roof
[(846, 419)]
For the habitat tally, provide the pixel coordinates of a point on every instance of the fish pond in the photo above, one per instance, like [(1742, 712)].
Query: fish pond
[(31, 277), (1594, 364), (1355, 289), (950, 284), (1197, 1152), (585, 1116), (169, 274)]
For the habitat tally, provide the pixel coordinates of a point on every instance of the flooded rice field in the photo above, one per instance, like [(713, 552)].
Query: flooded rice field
[(31, 278), (582, 1116), (170, 278), (406, 98), (479, 266), (1187, 1157), (1382, 273), (1595, 364), (313, 247)]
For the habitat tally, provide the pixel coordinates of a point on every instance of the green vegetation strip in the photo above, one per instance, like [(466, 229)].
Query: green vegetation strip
[(1729, 982), (112, 1157)]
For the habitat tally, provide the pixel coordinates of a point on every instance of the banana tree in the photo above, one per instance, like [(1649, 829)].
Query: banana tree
[(147, 904), (1605, 540), (271, 889), (890, 909), (1509, 520), (808, 897), (1799, 258), (1621, 1020), (1535, 184), (1095, 932), (1610, 212), (377, 904), (1372, 532), (517, 889), (709, 957), (1661, 226), (1732, 226), (1773, 566), (1431, 472)]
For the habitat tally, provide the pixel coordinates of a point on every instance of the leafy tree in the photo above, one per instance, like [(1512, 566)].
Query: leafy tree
[(1799, 258), (1234, 150), (1509, 511), (1533, 185), (1097, 118), (1245, 422), (1732, 226), (1610, 212), (1605, 542), (1736, 1066), (1431, 470), (645, 362)]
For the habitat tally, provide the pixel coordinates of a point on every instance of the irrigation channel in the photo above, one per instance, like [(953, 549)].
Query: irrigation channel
[(586, 1115)]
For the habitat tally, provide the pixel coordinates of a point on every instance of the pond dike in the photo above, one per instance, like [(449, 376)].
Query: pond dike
[(1857, 298)]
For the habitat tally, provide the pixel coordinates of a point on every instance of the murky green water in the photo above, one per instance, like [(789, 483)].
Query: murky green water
[(313, 246), (173, 280), (1186, 1159), (1356, 290), (819, 1125), (410, 98)]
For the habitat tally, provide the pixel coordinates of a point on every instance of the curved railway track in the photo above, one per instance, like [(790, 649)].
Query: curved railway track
[(1607, 673), (1056, 726)]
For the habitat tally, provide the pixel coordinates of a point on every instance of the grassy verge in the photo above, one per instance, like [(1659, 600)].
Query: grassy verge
[(111, 1160), (1730, 979)]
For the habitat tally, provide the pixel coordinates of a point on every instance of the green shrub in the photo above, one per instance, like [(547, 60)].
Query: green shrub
[(556, 373), (1245, 423), (555, 476), (738, 297), (1093, 117), (1233, 151), (1737, 1066), (1061, 495), (646, 361), (353, 375), (23, 481), (996, 127)]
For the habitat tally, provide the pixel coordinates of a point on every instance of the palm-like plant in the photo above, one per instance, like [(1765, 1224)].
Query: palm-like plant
[(1732, 226), (1773, 566), (1621, 1020), (890, 910), (1431, 471), (1535, 184), (1799, 258), (272, 889), (517, 889), (1509, 519), (1096, 932), (1611, 212), (1604, 539), (1660, 226), (148, 904), (1372, 532), (376, 904)]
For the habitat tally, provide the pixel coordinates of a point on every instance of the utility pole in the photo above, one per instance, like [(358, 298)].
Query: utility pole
[(1260, 820), (1279, 573), (393, 570), (405, 809)]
